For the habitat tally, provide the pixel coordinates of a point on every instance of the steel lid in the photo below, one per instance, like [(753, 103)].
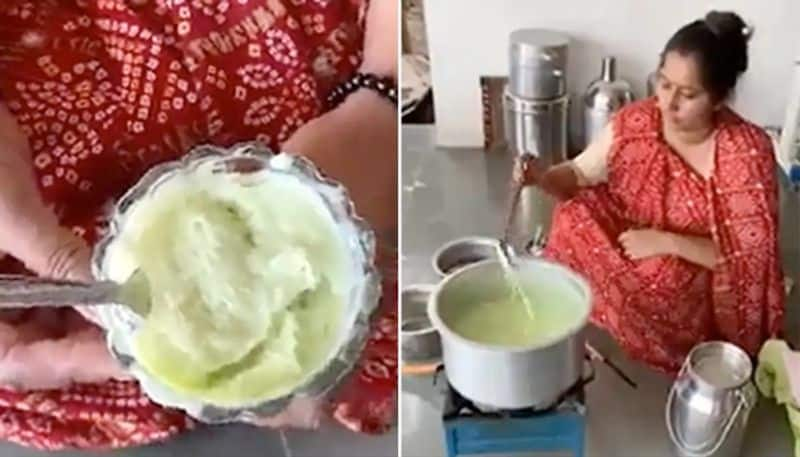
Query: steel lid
[(528, 47)]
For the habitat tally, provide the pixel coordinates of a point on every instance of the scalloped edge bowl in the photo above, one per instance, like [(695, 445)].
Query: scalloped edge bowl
[(121, 323)]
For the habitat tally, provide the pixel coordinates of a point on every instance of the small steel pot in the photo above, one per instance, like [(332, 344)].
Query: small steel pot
[(420, 341), (462, 252)]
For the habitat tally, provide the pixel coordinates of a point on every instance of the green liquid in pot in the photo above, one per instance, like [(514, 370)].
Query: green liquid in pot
[(494, 316)]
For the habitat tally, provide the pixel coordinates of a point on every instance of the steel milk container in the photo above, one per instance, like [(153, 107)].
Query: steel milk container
[(710, 401)]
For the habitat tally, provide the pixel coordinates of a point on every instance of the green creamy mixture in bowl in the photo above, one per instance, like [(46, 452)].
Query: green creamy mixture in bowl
[(261, 278)]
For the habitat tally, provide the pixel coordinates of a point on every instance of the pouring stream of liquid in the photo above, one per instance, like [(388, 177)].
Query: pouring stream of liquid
[(509, 270)]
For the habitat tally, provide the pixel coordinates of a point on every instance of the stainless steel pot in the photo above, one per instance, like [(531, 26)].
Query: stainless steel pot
[(537, 127), (505, 377), (420, 341), (462, 252)]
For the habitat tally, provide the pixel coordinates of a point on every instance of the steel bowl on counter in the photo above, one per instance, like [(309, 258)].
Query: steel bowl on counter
[(462, 252), (248, 162), (420, 341), (534, 376)]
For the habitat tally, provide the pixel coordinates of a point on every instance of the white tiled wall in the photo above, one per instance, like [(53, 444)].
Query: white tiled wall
[(469, 38)]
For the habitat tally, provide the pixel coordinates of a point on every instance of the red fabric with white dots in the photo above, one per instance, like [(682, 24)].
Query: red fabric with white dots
[(104, 89), (658, 308)]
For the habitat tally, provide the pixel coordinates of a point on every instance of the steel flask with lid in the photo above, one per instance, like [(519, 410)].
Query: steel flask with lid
[(603, 97)]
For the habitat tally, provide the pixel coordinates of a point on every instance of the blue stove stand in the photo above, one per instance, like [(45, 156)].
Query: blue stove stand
[(469, 431)]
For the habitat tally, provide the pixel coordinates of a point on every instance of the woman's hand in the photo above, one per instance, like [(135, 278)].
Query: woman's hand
[(527, 170), (559, 181), (50, 349), (36, 350), (640, 244), (29, 231)]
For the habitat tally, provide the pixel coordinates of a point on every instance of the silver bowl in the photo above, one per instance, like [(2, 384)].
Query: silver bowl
[(459, 253), (420, 341), (246, 161)]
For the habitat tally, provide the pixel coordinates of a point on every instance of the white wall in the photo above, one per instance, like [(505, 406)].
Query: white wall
[(469, 38)]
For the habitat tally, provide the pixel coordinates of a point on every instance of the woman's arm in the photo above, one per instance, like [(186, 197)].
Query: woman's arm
[(380, 38), (356, 143), (563, 180), (698, 250), (640, 244)]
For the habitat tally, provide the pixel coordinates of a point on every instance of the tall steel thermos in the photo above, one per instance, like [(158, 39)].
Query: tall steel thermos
[(536, 114), (535, 101), (603, 97)]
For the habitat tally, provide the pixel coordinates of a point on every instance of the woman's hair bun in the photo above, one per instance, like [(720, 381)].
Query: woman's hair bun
[(733, 34)]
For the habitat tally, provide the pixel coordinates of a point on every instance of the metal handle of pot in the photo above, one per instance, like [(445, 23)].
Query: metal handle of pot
[(558, 74), (740, 404), (587, 379), (547, 56), (596, 355)]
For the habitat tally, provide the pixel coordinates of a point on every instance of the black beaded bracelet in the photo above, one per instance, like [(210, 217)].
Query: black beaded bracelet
[(385, 87)]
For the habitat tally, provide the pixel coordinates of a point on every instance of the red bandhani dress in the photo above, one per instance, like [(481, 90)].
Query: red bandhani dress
[(104, 89), (660, 307)]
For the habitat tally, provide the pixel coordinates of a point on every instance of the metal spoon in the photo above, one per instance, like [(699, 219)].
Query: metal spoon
[(516, 191), (19, 291), (507, 256)]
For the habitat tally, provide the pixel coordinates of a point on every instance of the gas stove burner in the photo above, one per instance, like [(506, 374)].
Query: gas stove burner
[(471, 429), (457, 406)]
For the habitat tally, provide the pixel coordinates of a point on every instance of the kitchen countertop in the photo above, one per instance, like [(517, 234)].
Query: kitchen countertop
[(448, 193)]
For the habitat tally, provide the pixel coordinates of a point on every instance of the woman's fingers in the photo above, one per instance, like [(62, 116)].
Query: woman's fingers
[(518, 174), (626, 240), (34, 358), (302, 412), (525, 170), (29, 229)]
